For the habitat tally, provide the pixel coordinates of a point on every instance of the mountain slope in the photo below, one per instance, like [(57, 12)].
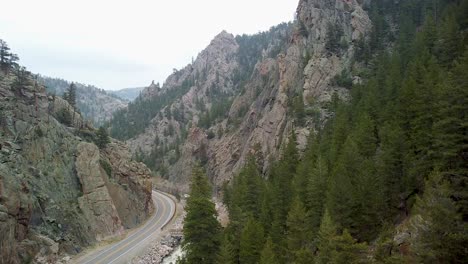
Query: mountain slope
[(96, 105), (58, 191), (128, 94), (383, 179), (246, 93)]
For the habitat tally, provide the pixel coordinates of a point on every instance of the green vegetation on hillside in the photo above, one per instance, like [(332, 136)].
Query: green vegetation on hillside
[(394, 155), (92, 103), (133, 120)]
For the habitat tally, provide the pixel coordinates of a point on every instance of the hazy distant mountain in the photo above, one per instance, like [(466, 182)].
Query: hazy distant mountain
[(128, 93), (96, 105)]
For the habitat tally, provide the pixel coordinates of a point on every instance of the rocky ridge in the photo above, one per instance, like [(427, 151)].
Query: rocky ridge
[(58, 192), (295, 63)]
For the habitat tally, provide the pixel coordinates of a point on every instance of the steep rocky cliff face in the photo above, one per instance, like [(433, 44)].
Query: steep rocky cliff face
[(58, 192), (246, 94), (96, 105)]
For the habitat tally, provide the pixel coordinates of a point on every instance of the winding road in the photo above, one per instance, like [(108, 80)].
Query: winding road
[(118, 252)]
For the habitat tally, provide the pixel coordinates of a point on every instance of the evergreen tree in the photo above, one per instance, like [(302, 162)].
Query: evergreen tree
[(342, 192), (298, 229), (334, 248), (316, 195), (441, 234), (303, 256), (247, 189), (305, 167), (251, 242), (347, 250), (266, 211), (232, 236), (390, 165), (450, 130), (268, 256), (102, 138), (202, 235), (298, 108), (226, 253), (71, 95), (7, 59), (326, 235), (449, 45), (282, 190)]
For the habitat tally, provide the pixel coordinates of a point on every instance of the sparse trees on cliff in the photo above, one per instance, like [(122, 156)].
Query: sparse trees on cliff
[(7, 59), (70, 95)]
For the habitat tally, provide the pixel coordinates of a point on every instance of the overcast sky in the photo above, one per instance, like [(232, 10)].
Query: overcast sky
[(117, 44)]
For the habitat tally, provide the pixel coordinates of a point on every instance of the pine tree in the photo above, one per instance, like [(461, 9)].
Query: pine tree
[(304, 168), (7, 59), (441, 232), (71, 95), (341, 196), (339, 130), (232, 235), (202, 231), (226, 253), (390, 165), (334, 248), (102, 138), (303, 256), (450, 130), (298, 229), (326, 235), (364, 135), (347, 250), (449, 45), (251, 242), (268, 255), (266, 212), (282, 190), (316, 193), (248, 189)]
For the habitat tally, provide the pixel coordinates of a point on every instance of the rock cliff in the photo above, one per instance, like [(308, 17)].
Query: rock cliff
[(267, 81), (58, 192)]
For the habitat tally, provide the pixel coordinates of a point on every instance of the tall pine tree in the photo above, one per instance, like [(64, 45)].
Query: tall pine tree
[(202, 231)]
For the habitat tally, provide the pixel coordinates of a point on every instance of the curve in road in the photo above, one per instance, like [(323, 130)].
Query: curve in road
[(116, 253)]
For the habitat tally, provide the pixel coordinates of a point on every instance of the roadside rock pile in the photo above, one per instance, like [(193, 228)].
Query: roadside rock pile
[(158, 250), (164, 247)]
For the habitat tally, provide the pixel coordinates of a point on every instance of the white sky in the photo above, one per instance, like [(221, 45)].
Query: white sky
[(118, 44)]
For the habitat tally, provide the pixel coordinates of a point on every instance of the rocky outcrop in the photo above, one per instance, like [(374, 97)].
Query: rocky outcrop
[(129, 184), (298, 60), (96, 202), (55, 195), (211, 72)]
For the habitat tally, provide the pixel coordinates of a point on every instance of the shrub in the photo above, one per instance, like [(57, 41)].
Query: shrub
[(102, 138), (64, 117), (343, 79), (38, 131), (210, 134), (106, 166)]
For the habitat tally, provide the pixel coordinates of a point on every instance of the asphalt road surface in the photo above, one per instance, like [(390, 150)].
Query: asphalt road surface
[(118, 252)]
